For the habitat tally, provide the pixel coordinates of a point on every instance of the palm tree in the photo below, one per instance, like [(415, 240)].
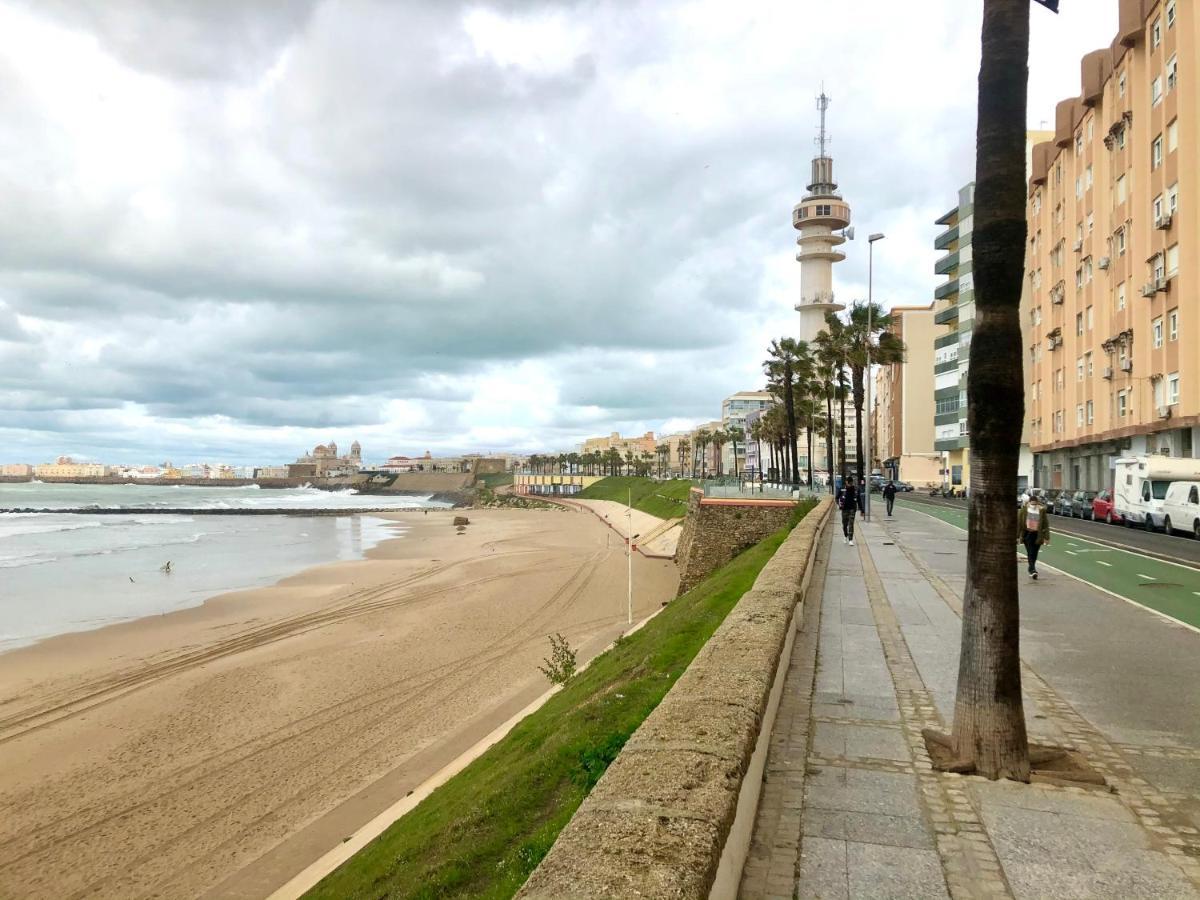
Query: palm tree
[(683, 450), (861, 346), (719, 439), (788, 363), (736, 434), (989, 735), (828, 369), (755, 434), (703, 437)]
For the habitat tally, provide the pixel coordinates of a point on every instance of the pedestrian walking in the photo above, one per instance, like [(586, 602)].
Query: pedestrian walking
[(889, 494), (848, 502), (1033, 530)]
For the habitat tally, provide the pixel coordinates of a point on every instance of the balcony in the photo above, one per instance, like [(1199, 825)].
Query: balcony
[(946, 340), (951, 366), (949, 289), (946, 238), (947, 263), (948, 418), (947, 315)]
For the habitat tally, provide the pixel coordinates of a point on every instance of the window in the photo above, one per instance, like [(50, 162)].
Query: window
[(1173, 198), (1121, 138), (1079, 233), (1079, 369), (1090, 413), (1156, 91), (1170, 13), (1079, 277), (1157, 326), (1079, 415), (1121, 85), (1160, 267), (1119, 241), (1120, 190), (1088, 179), (1121, 295), (1172, 260), (1079, 142), (1157, 208), (1173, 388), (1090, 370), (1078, 187), (1156, 153), (1091, 128), (1087, 270), (1091, 221), (1173, 325), (1172, 73), (1173, 136), (1089, 318), (1156, 33), (1122, 404)]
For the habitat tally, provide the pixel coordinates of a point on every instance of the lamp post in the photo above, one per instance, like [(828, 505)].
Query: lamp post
[(870, 308)]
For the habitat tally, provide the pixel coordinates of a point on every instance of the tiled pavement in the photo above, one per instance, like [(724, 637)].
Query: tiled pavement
[(850, 806)]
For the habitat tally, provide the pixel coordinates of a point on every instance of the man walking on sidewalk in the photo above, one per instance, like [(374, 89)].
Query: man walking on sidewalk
[(889, 494), (849, 504), (1033, 530)]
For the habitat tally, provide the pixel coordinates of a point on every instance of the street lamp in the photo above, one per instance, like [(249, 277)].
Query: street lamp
[(870, 307)]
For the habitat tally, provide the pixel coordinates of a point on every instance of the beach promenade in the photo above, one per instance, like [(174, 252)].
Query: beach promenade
[(218, 750), (850, 806)]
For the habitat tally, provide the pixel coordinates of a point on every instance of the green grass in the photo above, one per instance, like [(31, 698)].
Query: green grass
[(495, 479), (665, 499), (484, 831)]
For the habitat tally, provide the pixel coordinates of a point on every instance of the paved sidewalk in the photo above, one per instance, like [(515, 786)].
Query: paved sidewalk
[(850, 806)]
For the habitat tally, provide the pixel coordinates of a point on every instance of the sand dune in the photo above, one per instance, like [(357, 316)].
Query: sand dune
[(218, 750)]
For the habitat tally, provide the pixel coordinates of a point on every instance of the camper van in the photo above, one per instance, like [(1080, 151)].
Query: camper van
[(1181, 508), (1140, 486)]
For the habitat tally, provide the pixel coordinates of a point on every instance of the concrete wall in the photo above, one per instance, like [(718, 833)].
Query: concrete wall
[(717, 530), (656, 824)]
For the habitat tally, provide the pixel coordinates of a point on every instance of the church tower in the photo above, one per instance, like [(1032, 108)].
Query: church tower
[(356, 453), (817, 217)]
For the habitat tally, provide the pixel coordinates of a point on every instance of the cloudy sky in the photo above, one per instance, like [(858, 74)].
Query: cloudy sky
[(230, 230)]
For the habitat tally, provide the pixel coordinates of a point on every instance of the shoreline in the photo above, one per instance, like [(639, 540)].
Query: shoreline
[(280, 717)]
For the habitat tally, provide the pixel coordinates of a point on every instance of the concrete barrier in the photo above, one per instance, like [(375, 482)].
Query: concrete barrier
[(656, 824)]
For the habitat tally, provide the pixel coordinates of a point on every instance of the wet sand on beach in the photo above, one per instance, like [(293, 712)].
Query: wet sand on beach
[(218, 750)]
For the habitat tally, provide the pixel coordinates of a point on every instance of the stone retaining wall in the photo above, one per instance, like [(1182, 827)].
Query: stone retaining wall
[(716, 530), (656, 823)]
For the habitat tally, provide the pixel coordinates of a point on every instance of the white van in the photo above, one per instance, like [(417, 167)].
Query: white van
[(1181, 508), (1140, 486)]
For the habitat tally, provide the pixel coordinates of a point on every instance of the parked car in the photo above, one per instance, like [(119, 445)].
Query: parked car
[(1062, 503), (1103, 509), (903, 486), (1081, 504), (1181, 508)]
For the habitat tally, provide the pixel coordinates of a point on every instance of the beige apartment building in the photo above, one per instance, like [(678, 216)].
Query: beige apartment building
[(903, 411), (65, 467), (638, 445), (1112, 261), (16, 470)]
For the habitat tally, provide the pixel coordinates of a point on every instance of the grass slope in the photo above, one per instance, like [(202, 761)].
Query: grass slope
[(665, 499), (484, 831)]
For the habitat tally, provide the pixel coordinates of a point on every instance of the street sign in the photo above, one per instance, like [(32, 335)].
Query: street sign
[(1051, 5)]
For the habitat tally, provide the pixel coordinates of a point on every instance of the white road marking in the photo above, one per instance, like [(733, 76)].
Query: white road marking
[(1072, 552), (1147, 577), (1103, 563)]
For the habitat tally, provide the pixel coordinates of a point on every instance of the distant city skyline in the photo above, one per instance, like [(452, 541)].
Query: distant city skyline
[(232, 234)]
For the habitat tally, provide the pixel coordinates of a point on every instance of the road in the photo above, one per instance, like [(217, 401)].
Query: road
[(1171, 589), (1173, 548)]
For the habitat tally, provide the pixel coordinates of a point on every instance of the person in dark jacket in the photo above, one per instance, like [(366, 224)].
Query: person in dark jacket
[(889, 494), (1033, 530), (849, 506)]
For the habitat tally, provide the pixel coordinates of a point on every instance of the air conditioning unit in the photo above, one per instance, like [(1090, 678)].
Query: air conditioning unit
[(1104, 262), (1149, 289), (1161, 284), (1058, 299), (1164, 412), (1163, 223), (1078, 246), (1127, 365), (1108, 372)]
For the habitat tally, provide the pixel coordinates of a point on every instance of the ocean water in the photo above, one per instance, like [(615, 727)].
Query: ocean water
[(63, 572)]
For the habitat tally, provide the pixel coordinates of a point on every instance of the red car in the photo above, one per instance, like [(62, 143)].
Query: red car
[(1102, 509)]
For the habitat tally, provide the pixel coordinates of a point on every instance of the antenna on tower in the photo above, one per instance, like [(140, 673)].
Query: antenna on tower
[(823, 102)]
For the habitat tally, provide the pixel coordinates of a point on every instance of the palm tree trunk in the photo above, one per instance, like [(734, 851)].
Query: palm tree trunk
[(808, 431), (989, 721), (857, 374), (829, 438), (842, 437)]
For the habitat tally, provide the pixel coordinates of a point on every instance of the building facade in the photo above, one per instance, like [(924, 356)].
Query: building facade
[(635, 445), (904, 402), (323, 461), (16, 470), (1112, 259), (65, 467), (735, 412)]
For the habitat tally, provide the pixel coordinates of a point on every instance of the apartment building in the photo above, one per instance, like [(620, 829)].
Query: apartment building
[(734, 412), (953, 314), (903, 402), (1112, 259)]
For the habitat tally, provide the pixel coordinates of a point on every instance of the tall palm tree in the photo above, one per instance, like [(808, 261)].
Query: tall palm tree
[(719, 439), (989, 733), (702, 438), (829, 365), (755, 434), (876, 343), (787, 363), (736, 435), (684, 449)]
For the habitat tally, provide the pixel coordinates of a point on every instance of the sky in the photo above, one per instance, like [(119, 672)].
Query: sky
[(232, 230)]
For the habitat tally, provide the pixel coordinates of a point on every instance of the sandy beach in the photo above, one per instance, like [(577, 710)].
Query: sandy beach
[(216, 751)]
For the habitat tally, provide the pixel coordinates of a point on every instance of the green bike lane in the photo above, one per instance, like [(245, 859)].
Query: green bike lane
[(1163, 587)]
